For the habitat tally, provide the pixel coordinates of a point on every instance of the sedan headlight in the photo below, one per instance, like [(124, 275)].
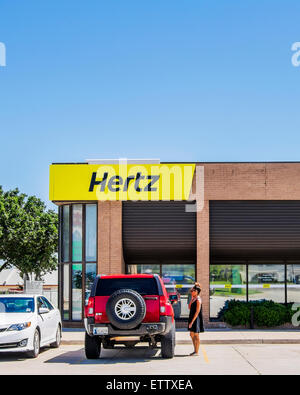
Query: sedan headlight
[(19, 327)]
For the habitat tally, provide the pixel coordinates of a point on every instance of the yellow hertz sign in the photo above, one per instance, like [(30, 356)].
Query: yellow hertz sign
[(121, 182)]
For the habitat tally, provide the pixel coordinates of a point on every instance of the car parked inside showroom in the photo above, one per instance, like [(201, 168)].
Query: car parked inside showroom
[(27, 323)]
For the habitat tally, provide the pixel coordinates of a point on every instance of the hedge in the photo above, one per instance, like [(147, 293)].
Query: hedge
[(266, 313)]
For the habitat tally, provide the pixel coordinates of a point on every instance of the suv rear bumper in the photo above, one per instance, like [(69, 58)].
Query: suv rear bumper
[(143, 329), (147, 328)]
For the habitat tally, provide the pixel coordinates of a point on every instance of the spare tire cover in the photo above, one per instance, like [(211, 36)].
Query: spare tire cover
[(125, 309)]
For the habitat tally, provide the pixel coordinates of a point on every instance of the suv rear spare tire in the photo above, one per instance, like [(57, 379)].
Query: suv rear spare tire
[(126, 309)]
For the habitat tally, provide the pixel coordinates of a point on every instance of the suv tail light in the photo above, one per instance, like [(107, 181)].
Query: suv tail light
[(90, 307), (163, 304)]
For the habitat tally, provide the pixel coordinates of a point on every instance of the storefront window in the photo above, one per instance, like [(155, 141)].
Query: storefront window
[(90, 232), (226, 282), (90, 275), (65, 233), (178, 280), (267, 281), (270, 281), (146, 269), (76, 292), (77, 233), (293, 283), (66, 292), (78, 263)]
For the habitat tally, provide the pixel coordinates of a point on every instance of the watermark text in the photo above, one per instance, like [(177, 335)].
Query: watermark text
[(2, 55), (296, 56)]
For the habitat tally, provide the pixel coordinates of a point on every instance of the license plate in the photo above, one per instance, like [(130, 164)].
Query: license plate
[(101, 331)]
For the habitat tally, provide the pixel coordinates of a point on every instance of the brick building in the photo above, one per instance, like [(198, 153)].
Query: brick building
[(241, 241)]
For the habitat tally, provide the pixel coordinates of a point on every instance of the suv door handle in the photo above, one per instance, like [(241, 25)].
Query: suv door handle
[(150, 298)]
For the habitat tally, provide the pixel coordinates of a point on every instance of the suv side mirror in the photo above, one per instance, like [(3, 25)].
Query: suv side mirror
[(43, 310)]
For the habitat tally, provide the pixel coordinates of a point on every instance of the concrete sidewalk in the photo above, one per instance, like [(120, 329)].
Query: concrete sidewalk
[(212, 336)]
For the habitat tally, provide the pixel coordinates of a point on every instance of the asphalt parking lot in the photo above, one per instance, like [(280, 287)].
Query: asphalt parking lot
[(213, 359)]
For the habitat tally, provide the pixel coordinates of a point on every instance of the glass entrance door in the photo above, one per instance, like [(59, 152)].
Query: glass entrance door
[(178, 279)]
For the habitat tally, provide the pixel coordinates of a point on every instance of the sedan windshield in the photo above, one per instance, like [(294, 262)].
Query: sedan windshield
[(16, 305)]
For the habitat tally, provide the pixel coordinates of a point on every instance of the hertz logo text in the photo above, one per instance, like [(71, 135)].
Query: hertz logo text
[(117, 183)]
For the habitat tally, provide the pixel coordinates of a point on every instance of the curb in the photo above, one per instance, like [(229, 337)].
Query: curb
[(209, 342), (245, 341)]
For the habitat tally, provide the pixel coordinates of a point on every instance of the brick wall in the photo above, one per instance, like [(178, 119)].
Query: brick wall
[(239, 181), (110, 251)]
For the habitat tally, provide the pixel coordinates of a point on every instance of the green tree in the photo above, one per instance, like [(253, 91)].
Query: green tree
[(28, 234)]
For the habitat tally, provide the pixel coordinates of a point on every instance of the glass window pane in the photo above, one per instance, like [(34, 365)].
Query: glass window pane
[(266, 281), (90, 275), (77, 233), (178, 280), (47, 303), (91, 232), (293, 283), (66, 292), (143, 269), (226, 282), (76, 292), (65, 233)]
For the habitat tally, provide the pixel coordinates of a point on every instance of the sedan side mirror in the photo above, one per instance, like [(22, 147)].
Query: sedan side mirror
[(43, 310)]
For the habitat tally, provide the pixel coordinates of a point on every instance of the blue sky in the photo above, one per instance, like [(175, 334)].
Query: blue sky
[(177, 80)]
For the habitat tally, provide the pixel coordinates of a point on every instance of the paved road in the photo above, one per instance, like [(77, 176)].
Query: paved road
[(213, 359)]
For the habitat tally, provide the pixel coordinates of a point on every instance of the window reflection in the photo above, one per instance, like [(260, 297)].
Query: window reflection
[(293, 283), (65, 233), (77, 233), (66, 292), (76, 292), (83, 253), (143, 269), (226, 282), (178, 280), (90, 232), (90, 275), (266, 281)]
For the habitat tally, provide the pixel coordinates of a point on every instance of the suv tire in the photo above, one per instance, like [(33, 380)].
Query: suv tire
[(168, 344), (126, 309), (92, 347)]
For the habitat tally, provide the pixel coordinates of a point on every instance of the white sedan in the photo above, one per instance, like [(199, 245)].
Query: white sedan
[(28, 322)]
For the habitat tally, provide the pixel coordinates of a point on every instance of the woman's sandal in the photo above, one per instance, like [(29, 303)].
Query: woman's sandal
[(192, 354)]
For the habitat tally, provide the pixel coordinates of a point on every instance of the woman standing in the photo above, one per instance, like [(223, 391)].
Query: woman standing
[(195, 323)]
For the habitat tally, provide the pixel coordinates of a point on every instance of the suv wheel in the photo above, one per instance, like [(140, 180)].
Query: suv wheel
[(126, 309), (168, 344), (92, 346)]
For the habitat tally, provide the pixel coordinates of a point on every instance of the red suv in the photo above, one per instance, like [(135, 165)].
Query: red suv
[(128, 309)]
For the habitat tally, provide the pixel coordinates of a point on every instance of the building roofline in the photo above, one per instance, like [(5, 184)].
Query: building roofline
[(188, 162)]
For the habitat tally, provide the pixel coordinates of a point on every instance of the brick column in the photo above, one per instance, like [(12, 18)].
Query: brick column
[(110, 249), (203, 257)]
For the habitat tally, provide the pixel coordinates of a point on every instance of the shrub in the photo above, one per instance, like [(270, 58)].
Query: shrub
[(266, 313)]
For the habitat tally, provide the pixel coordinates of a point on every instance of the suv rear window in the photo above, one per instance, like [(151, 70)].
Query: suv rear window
[(144, 286)]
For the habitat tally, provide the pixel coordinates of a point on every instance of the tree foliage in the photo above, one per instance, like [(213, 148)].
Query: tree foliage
[(28, 234)]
